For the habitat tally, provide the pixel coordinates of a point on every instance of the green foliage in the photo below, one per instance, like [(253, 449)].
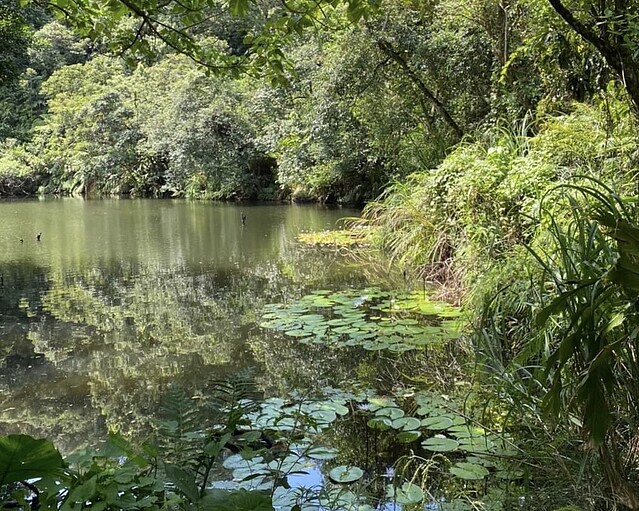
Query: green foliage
[(14, 39), (124, 477), (548, 273), (23, 457), (16, 175), (481, 201), (167, 129), (177, 27)]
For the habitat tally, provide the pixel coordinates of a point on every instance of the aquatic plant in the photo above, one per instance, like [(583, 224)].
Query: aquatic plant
[(372, 319)]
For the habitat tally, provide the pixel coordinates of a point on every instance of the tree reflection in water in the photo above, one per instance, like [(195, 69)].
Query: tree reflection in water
[(93, 330)]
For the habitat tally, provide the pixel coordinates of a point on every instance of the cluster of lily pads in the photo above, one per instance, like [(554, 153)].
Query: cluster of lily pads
[(372, 319), (473, 453)]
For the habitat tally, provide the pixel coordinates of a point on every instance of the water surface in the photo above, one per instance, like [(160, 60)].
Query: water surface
[(119, 298)]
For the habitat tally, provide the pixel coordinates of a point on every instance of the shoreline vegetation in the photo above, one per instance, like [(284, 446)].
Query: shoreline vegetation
[(494, 148)]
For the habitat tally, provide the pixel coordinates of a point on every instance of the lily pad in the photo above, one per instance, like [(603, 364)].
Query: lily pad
[(346, 474), (406, 437), (378, 402), (470, 471), (437, 423), (407, 423), (392, 412), (298, 333), (380, 423), (408, 493), (476, 444), (465, 431), (399, 326), (322, 453), (440, 443)]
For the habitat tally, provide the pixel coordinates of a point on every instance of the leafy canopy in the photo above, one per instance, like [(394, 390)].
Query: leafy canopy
[(144, 27)]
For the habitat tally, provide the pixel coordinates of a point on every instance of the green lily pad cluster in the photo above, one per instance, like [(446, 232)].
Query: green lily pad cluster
[(432, 422), (372, 319), (474, 452), (258, 474), (292, 415)]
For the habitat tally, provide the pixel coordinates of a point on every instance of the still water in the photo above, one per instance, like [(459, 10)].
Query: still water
[(119, 298)]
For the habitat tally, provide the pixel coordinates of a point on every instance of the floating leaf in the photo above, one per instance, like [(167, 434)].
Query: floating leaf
[(346, 474), (406, 437), (408, 493), (471, 471), (338, 408), (406, 423), (326, 416), (336, 498), (437, 423), (348, 315), (465, 431), (236, 461), (380, 423), (298, 333), (440, 443), (322, 453), (476, 444), (392, 412)]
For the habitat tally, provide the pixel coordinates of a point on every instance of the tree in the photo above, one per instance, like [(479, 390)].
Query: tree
[(611, 26), (178, 24), (14, 40)]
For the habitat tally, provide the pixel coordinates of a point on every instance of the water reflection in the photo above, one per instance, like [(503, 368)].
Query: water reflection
[(121, 297)]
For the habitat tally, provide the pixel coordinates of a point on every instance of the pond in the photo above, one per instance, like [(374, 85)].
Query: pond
[(119, 298), (113, 312)]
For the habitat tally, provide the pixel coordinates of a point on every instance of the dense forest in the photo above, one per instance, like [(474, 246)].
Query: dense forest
[(492, 144), (243, 109)]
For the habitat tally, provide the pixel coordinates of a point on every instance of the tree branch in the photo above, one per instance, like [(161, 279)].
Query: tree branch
[(388, 50), (586, 32)]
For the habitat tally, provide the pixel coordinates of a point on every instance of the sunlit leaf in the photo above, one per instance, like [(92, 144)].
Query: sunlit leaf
[(437, 423), (346, 474)]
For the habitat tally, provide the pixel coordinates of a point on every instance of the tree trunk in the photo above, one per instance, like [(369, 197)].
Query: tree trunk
[(389, 51), (609, 43)]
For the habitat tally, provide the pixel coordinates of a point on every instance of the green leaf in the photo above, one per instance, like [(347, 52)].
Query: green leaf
[(406, 437), (391, 412), (469, 471), (406, 423), (183, 481), (84, 492), (239, 7), (440, 443), (116, 444), (437, 423), (24, 457), (556, 306), (345, 474), (617, 320), (380, 423), (322, 453), (212, 449), (408, 493), (222, 500)]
